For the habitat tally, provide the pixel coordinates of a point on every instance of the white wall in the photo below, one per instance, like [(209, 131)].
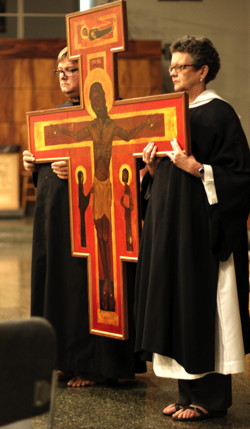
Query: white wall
[(225, 22)]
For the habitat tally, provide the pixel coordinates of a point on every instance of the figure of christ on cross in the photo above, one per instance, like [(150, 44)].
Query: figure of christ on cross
[(102, 131)]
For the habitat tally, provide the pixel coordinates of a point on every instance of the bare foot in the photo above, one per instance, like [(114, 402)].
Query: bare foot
[(171, 409), (80, 381), (189, 413)]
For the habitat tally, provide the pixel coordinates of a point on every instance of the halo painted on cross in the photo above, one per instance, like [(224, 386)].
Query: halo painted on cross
[(83, 170), (84, 32), (123, 167), (101, 76)]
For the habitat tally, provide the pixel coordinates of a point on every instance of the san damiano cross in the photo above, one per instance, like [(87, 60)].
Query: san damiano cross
[(102, 140)]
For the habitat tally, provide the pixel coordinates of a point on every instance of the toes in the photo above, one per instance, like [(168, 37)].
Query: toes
[(189, 412), (178, 413), (170, 409), (80, 382)]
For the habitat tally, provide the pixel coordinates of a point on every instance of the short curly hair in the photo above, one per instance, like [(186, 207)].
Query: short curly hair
[(201, 50)]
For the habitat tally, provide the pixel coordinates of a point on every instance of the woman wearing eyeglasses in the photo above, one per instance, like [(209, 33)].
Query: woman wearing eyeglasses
[(59, 289), (192, 276)]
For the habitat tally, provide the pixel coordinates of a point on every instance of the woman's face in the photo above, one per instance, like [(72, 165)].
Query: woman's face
[(69, 84), (188, 79)]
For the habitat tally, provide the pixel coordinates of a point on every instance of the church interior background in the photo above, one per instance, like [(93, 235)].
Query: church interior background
[(27, 56)]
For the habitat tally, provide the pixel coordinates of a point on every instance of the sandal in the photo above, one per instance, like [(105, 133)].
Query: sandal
[(202, 415), (177, 407)]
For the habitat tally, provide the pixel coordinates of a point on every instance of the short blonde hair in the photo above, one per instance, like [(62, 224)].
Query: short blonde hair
[(62, 54)]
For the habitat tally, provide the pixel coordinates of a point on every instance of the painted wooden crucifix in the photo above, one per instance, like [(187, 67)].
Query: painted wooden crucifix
[(102, 140)]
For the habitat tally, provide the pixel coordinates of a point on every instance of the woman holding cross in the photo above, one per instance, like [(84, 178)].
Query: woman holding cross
[(192, 285), (59, 280)]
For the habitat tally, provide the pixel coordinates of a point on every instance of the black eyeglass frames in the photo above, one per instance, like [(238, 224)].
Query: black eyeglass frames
[(66, 72)]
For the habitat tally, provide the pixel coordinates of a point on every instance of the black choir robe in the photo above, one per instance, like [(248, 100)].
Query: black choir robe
[(184, 238)]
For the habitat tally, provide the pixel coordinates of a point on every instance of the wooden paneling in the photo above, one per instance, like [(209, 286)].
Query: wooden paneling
[(139, 69), (27, 82), (31, 48), (138, 78)]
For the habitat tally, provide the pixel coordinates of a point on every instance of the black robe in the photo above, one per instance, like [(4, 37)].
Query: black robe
[(185, 238), (59, 290)]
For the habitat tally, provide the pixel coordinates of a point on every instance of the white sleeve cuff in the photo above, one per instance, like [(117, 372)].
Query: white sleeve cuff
[(208, 182)]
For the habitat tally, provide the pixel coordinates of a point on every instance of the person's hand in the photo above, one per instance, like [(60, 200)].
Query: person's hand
[(29, 161), (61, 169), (185, 162), (149, 157)]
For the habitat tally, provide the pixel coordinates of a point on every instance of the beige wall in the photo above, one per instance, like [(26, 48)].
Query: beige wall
[(225, 22)]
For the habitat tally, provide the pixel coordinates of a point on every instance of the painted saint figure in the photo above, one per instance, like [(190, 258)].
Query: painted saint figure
[(128, 205), (97, 33), (83, 202)]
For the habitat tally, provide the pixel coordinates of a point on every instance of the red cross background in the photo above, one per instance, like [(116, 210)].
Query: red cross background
[(102, 151)]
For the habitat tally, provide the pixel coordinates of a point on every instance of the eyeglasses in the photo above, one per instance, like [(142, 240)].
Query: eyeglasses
[(66, 72), (179, 67)]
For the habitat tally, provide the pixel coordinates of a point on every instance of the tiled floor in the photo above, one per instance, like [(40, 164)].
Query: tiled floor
[(136, 405)]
